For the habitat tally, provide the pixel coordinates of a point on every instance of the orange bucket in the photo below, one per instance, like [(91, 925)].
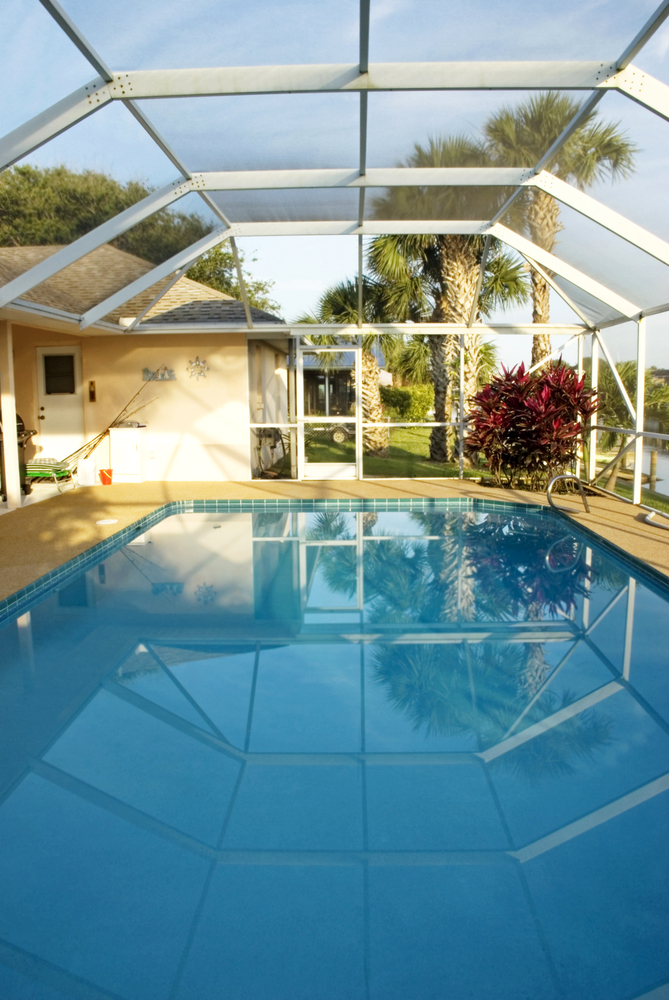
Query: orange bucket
[(106, 476)]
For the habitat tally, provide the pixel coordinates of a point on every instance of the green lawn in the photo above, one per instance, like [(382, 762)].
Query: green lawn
[(408, 456), (647, 496)]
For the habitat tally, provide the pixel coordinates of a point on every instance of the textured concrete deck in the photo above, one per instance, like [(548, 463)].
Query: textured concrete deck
[(42, 536)]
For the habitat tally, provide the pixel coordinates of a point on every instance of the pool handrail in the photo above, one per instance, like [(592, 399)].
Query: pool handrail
[(570, 477)]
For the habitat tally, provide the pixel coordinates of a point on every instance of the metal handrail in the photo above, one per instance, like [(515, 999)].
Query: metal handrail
[(600, 489)]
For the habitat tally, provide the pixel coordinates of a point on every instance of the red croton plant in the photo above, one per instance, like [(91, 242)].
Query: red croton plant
[(529, 426)]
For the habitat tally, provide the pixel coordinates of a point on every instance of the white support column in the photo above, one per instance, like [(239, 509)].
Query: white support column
[(580, 375), (461, 410), (640, 394), (358, 411), (8, 417), (299, 414), (292, 406), (594, 379)]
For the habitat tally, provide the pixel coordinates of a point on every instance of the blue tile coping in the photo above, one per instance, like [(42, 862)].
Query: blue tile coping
[(27, 597)]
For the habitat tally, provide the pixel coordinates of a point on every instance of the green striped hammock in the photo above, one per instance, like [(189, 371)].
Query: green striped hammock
[(49, 468)]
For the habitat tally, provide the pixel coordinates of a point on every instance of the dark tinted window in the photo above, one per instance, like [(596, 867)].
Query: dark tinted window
[(58, 373)]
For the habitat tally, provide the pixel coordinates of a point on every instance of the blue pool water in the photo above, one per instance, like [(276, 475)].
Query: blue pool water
[(318, 756)]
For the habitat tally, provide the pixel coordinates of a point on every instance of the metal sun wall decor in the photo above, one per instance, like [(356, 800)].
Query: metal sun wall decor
[(205, 593), (197, 369)]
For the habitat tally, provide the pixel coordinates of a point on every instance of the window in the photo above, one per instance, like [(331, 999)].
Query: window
[(58, 374)]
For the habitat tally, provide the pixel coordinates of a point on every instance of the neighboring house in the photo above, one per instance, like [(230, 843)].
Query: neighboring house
[(70, 384), (330, 392)]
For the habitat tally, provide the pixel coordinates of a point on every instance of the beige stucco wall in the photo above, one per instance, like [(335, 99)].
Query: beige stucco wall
[(197, 430)]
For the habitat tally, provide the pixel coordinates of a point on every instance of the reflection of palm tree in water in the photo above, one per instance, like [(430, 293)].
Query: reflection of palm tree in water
[(448, 690), (526, 569), (482, 688)]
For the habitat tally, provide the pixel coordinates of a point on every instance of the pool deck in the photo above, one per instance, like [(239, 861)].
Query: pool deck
[(42, 536)]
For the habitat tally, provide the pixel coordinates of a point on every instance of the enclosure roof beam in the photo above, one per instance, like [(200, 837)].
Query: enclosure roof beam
[(642, 88), (566, 271), (218, 81), (69, 27), (202, 183), (604, 216), (354, 177), (655, 21), (50, 123), (175, 263), (556, 288)]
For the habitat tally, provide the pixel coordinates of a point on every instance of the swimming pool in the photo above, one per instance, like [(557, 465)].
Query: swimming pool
[(293, 754)]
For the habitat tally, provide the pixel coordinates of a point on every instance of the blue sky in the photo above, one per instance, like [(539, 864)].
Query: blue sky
[(40, 66)]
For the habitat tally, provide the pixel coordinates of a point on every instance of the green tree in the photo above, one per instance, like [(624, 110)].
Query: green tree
[(433, 278), (216, 268), (56, 205), (519, 136), (448, 266)]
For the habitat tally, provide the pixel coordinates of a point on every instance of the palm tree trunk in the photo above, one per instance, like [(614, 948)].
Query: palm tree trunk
[(459, 266), (442, 391), (473, 346), (535, 669), (374, 439), (543, 216)]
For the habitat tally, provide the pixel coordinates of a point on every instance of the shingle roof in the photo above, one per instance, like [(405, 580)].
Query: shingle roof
[(207, 311), (106, 270)]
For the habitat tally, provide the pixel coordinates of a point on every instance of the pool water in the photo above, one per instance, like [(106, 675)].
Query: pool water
[(322, 756)]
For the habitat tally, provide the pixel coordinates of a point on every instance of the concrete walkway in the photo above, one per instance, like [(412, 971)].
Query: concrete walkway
[(40, 537)]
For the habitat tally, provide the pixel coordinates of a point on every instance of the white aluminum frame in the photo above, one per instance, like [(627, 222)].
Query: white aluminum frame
[(595, 77)]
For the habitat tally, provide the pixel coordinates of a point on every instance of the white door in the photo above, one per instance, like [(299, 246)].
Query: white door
[(60, 401), (329, 437)]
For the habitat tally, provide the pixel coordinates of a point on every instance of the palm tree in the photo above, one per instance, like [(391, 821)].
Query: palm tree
[(441, 272), (519, 136)]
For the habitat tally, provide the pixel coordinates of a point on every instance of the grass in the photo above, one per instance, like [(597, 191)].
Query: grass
[(649, 497), (408, 456)]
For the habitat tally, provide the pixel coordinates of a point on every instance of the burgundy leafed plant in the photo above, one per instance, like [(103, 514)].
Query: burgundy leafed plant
[(529, 426)]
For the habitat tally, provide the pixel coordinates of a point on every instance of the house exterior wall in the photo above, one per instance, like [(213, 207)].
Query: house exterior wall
[(197, 429)]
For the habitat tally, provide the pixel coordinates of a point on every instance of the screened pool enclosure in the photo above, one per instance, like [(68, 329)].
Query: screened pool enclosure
[(304, 126)]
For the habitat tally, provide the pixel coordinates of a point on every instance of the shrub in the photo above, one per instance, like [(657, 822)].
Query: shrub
[(409, 403), (529, 426)]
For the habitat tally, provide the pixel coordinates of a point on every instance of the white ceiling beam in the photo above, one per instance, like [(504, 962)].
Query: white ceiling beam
[(429, 329), (652, 311), (353, 177), (91, 241), (65, 22), (156, 274), (593, 209), (655, 21), (563, 295), (347, 77), (566, 271), (642, 88), (50, 123), (351, 228)]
